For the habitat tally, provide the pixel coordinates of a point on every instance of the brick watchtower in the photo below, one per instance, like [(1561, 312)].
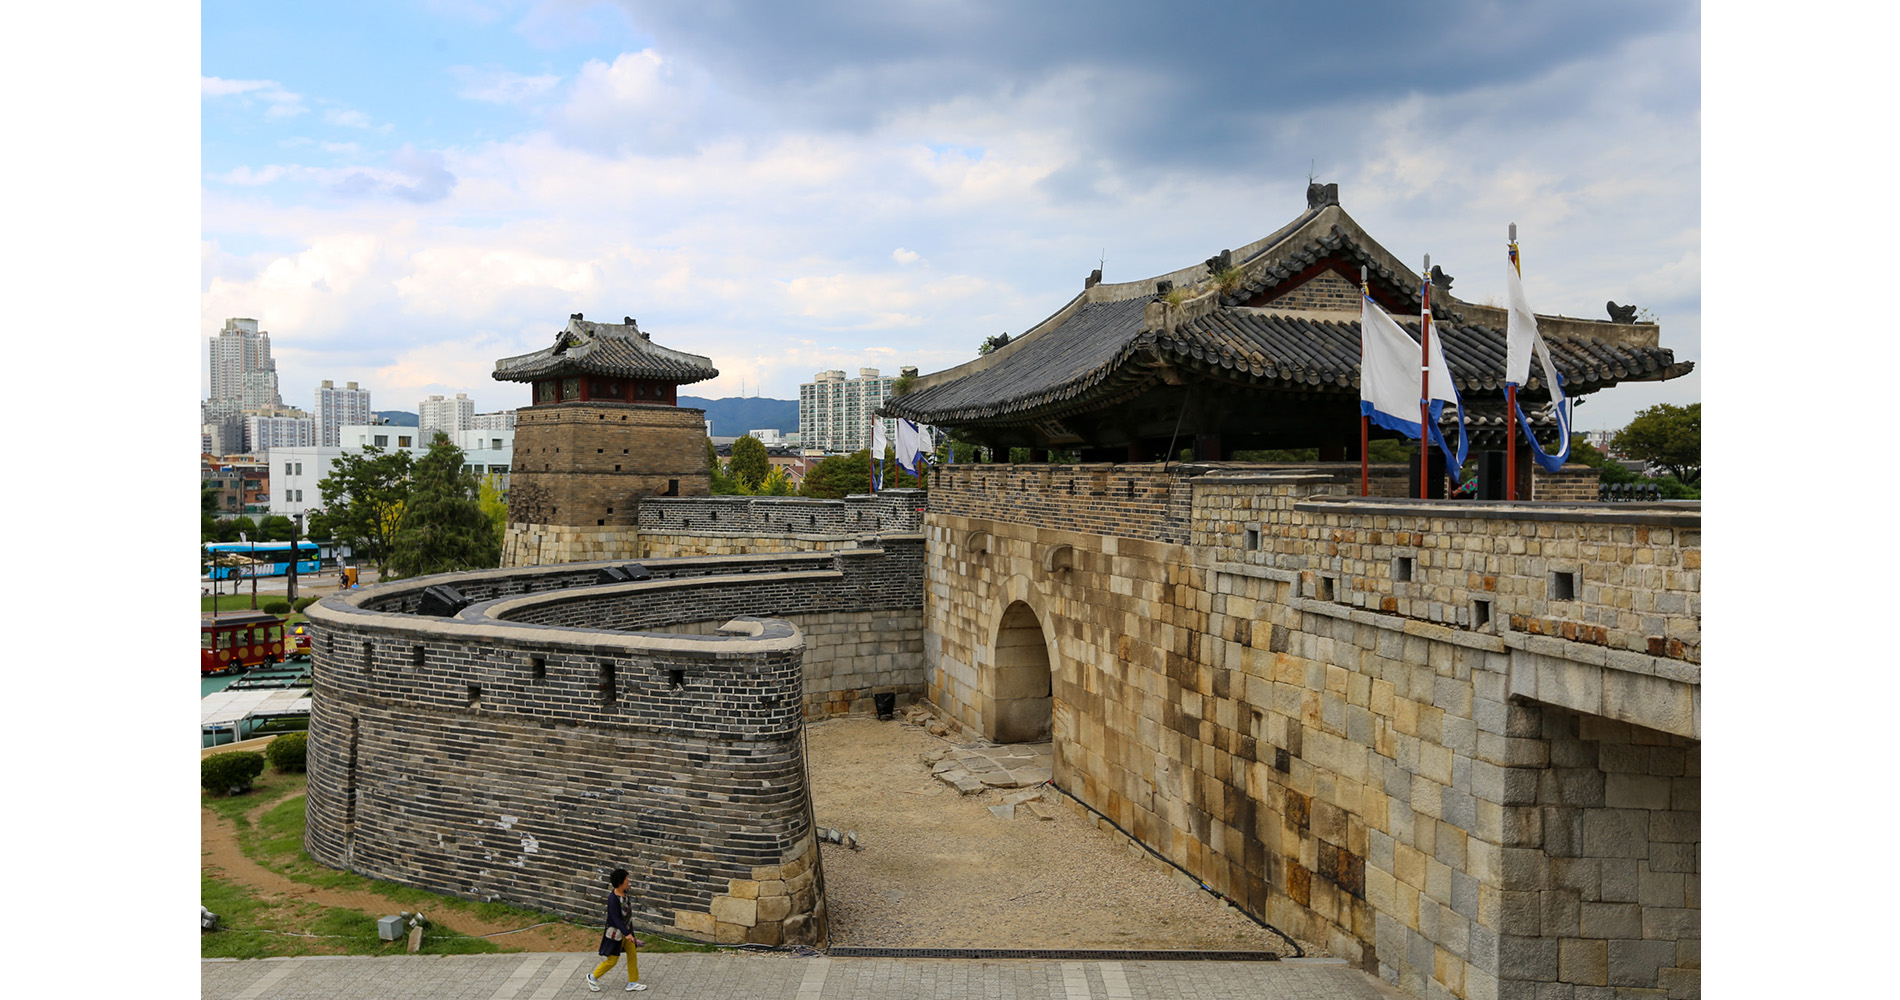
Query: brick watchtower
[(604, 430)]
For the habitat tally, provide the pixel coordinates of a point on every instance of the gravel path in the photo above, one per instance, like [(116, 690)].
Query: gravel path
[(939, 870)]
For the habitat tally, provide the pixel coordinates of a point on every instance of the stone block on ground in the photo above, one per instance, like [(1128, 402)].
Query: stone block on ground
[(1026, 795), (1003, 812), (1042, 810)]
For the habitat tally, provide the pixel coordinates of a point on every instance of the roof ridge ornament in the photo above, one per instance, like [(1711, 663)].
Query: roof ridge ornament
[(1321, 195)]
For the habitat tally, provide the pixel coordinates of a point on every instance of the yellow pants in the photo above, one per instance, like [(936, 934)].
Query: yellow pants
[(633, 962)]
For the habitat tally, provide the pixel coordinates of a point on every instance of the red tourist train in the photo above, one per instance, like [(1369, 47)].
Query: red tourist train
[(239, 640)]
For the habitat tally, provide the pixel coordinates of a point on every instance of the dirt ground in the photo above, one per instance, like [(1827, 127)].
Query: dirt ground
[(939, 870), (222, 855)]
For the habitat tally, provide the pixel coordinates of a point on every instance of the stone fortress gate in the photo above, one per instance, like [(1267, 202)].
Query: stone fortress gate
[(1458, 742)]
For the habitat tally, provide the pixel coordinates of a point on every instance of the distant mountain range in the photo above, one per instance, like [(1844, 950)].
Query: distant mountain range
[(398, 418), (735, 415)]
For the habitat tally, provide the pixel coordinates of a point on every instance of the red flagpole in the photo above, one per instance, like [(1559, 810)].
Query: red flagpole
[(1365, 422), (1425, 382), (1510, 399)]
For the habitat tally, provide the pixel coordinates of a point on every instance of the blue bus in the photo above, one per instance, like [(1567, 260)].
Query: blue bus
[(266, 559)]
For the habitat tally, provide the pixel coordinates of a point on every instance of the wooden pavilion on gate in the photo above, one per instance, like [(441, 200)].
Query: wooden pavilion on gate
[(1255, 348)]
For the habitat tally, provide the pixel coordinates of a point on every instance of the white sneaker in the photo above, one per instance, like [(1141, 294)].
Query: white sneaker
[(592, 983), (636, 986)]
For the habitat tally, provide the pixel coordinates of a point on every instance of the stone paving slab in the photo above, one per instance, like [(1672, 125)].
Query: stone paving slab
[(780, 975)]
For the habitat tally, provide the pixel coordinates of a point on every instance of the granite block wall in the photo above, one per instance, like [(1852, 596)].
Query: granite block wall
[(1342, 712)]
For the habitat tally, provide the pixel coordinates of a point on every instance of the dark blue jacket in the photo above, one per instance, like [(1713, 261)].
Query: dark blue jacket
[(617, 912)]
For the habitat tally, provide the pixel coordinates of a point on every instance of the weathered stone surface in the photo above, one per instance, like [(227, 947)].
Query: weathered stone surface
[(732, 910), (1584, 962)]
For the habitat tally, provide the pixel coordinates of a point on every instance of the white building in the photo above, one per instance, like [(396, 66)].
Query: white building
[(835, 413), (500, 420), (295, 472), (243, 376), (336, 408), (768, 436), (278, 429), (450, 416)]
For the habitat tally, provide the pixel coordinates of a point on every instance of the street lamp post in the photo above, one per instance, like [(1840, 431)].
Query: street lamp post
[(296, 532)]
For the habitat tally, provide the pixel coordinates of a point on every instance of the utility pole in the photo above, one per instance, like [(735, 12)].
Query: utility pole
[(296, 532)]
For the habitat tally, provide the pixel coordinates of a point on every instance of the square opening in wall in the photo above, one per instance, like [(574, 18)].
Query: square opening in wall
[(369, 656), (1326, 591), (417, 656), (538, 667), (676, 678), (607, 686), (1402, 569), (1251, 540), (1480, 614), (474, 696), (1563, 585)]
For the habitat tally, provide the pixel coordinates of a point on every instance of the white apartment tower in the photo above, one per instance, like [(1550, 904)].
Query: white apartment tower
[(450, 416), (243, 376), (337, 407), (834, 413)]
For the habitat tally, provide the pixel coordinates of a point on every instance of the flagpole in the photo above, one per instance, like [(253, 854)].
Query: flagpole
[(1510, 400), (1425, 382), (1365, 421)]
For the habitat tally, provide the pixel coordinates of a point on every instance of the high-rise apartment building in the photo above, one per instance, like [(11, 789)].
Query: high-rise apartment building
[(500, 420), (243, 376), (450, 416), (267, 429), (336, 407), (835, 413)]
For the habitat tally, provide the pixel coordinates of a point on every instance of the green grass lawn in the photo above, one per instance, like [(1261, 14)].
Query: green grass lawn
[(255, 928)]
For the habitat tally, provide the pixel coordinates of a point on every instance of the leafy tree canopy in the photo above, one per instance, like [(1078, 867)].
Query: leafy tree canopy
[(749, 464), (839, 475), (443, 527), (363, 496), (1665, 437), (778, 483)]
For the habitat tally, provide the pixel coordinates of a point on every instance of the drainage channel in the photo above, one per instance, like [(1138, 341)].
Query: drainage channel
[(1059, 954)]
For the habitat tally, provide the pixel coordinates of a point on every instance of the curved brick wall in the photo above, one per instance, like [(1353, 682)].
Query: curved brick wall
[(521, 749)]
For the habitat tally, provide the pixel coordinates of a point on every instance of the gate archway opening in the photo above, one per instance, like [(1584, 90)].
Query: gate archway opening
[(1022, 697)]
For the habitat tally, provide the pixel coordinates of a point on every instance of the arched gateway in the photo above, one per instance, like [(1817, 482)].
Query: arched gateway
[(1021, 687)]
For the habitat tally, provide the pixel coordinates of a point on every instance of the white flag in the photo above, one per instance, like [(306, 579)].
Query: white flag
[(910, 441), (1389, 371), (1522, 341), (878, 440)]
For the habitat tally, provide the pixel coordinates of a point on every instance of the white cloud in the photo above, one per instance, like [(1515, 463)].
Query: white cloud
[(346, 118), (905, 257), (280, 103), (500, 86)]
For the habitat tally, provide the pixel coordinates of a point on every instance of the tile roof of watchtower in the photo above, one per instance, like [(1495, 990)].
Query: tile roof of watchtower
[(620, 350), (1265, 339)]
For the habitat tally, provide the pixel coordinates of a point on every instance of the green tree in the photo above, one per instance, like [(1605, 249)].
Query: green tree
[(720, 480), (277, 528), (749, 464), (1665, 437), (363, 496), (839, 475), (443, 525), (208, 497)]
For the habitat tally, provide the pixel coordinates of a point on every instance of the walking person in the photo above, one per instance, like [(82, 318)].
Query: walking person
[(618, 936)]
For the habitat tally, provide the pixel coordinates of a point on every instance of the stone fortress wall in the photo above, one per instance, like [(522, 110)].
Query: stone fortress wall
[(1457, 741), (557, 727)]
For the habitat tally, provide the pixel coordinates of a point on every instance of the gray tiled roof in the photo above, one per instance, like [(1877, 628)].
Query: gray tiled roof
[(615, 349), (1104, 344)]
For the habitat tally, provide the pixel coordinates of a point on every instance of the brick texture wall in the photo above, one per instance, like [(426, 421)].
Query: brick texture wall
[(1324, 291)]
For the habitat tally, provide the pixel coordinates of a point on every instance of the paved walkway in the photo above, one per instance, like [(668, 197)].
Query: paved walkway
[(725, 975)]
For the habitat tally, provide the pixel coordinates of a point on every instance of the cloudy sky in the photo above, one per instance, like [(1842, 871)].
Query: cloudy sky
[(402, 192)]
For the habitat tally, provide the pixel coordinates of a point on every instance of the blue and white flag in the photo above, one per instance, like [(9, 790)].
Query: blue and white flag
[(1388, 379), (1522, 341), (913, 445)]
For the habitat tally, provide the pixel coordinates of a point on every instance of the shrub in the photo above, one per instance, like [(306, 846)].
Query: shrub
[(277, 607), (301, 603), (230, 773), (287, 752)]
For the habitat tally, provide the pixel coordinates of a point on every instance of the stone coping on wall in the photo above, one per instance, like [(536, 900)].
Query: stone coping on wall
[(1669, 514)]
